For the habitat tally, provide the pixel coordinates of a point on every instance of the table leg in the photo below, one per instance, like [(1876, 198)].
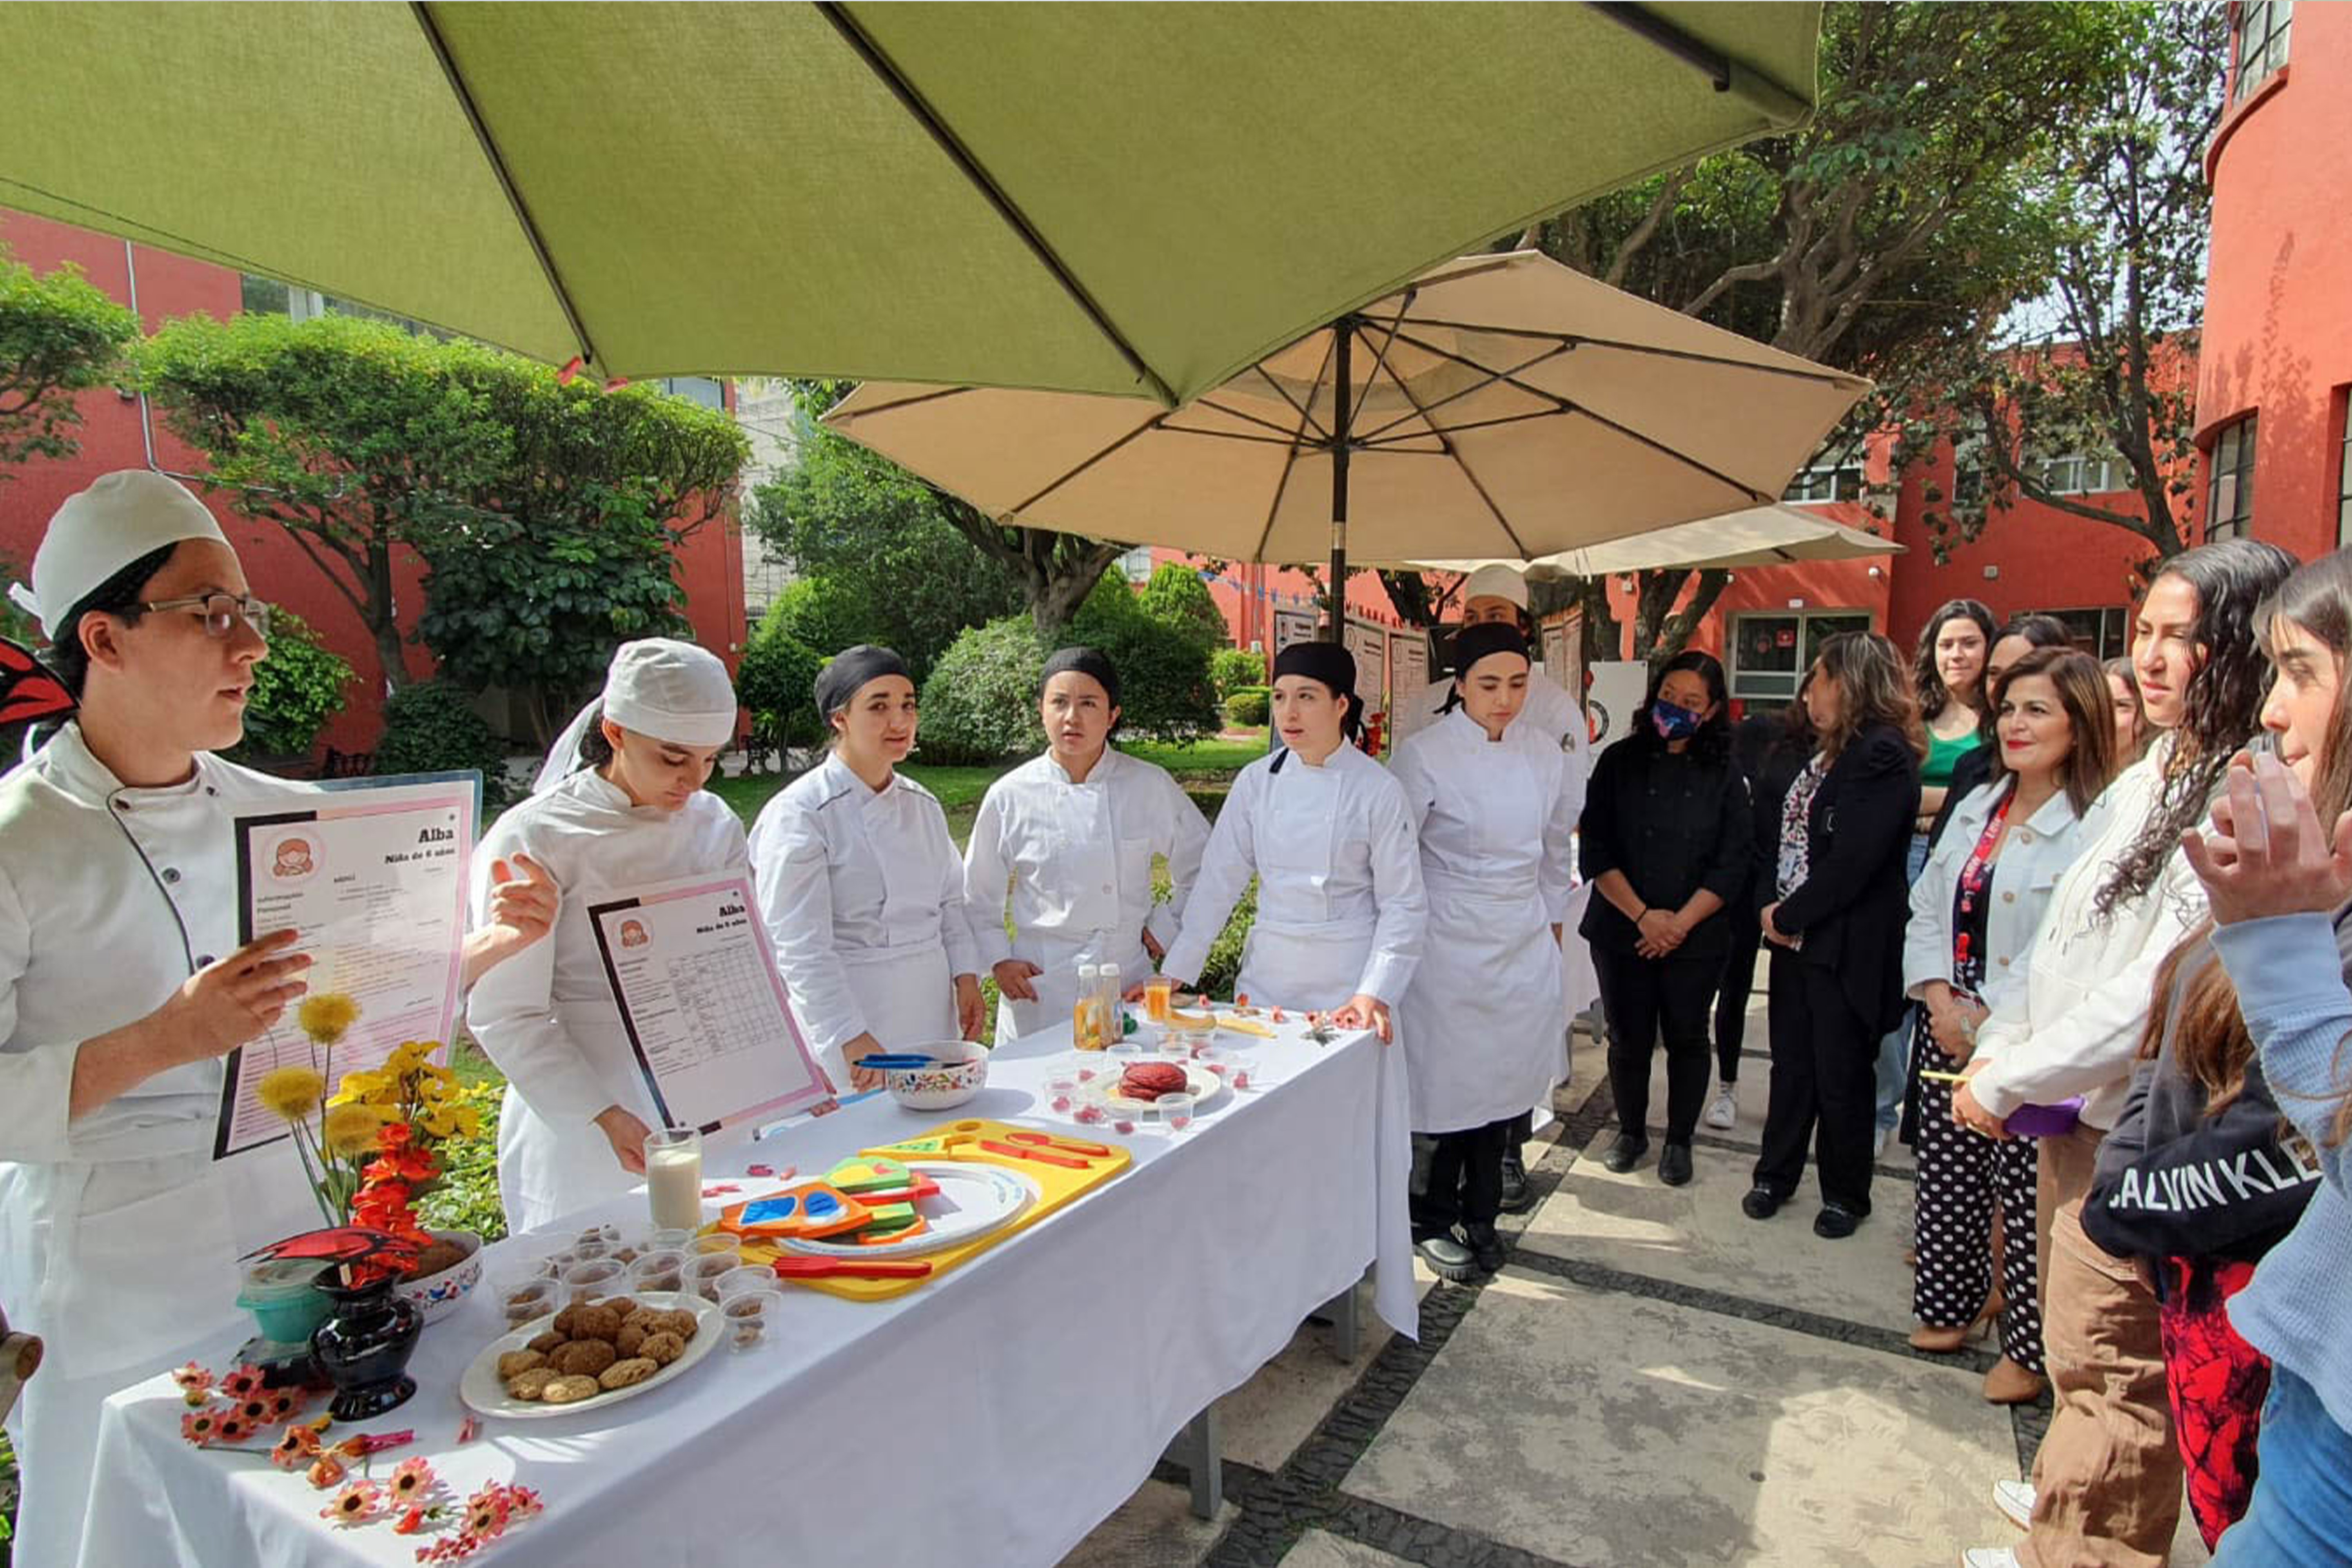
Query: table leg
[(1341, 1311), (1198, 1449)]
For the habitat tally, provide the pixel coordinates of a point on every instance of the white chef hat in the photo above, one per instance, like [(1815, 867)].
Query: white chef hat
[(99, 531), (1496, 581), (659, 687)]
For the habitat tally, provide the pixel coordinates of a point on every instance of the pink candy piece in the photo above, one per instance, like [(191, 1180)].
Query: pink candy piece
[(720, 1189), (1122, 1125), (1241, 1080), (1088, 1113), (1061, 1103), (1085, 1075), (758, 1170), (1217, 1068)]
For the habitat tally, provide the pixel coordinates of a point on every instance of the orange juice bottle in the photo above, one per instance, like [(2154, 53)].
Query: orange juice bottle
[(1085, 1017)]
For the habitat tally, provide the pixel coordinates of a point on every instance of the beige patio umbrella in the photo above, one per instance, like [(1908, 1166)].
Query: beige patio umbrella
[(1500, 407), (1760, 536)]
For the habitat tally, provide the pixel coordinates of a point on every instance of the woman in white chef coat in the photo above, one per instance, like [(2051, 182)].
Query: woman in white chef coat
[(121, 983), (619, 803), (1326, 831), (861, 887), (1495, 816), (1073, 832)]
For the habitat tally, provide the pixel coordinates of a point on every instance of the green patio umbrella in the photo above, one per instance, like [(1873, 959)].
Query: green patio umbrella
[(1126, 199)]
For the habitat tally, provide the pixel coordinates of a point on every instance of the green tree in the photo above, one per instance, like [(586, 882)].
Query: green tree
[(1175, 596), (1896, 229), (776, 681), (2107, 365), (300, 686), (1165, 690), (59, 336)]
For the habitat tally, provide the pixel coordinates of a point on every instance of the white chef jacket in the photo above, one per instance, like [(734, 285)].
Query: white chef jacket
[(862, 891), (1497, 824), (1550, 712), (119, 1233), (1078, 857), (547, 1016), (2074, 1027)]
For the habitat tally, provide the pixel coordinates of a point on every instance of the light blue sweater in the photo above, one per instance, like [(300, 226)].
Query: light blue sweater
[(2291, 990)]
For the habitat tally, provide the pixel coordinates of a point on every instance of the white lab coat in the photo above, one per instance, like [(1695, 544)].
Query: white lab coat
[(1497, 824), (2033, 854), (1078, 858), (547, 1016), (863, 895), (119, 1233)]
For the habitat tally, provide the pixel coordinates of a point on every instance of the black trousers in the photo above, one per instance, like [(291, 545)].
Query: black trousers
[(1738, 980), (1644, 998), (1459, 1177), (1824, 1086)]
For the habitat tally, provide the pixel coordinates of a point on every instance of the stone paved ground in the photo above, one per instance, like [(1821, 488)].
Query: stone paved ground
[(1653, 1380)]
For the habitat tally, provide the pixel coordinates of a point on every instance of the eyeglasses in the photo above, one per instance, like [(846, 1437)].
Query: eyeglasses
[(221, 611)]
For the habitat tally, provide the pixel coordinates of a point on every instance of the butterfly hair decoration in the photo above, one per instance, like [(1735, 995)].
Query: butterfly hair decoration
[(28, 690)]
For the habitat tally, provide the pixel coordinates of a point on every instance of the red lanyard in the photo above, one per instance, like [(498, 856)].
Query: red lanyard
[(1974, 873)]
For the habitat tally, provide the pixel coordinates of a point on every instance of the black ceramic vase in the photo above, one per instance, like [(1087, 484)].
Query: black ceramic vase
[(365, 1345)]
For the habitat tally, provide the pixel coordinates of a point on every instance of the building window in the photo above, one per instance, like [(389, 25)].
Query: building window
[(2344, 477), (2229, 492), (1771, 651), (1136, 564), (1968, 471), (1842, 481), (2260, 38), (2086, 474), (2101, 632), (699, 389)]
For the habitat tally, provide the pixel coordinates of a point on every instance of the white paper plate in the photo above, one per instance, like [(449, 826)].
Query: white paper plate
[(482, 1389), (973, 1201), (1206, 1086)]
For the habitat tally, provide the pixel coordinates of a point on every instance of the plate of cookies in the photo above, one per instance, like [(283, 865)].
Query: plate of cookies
[(591, 1354)]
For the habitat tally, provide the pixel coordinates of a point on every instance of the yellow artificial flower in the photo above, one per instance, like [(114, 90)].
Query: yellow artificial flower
[(291, 1092), (328, 1016), (367, 1089), (441, 1125), (349, 1130)]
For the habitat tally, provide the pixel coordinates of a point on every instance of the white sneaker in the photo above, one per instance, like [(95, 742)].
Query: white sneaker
[(1725, 1112), (2015, 1500), (1879, 1141), (1989, 1557)]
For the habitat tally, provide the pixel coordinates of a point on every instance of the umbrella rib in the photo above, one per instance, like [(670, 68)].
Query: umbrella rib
[(1460, 462), (497, 159), (1306, 418), (1488, 376), (1395, 443), (1150, 424), (897, 402), (1238, 414), (1290, 462), (973, 170), (1574, 340), (1380, 355), (1227, 436)]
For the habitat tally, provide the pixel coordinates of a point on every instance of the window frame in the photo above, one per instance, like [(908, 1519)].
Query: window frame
[(2344, 473), (2268, 55), (1844, 482), (2230, 462), (1742, 679)]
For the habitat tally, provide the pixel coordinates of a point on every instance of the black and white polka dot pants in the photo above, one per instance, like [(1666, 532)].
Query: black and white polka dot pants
[(1962, 1176)]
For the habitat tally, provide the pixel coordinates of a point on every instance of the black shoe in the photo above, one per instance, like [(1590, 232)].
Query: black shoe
[(1624, 1153), (1448, 1258), (1675, 1165), (1516, 1198), (1835, 1222), (1761, 1202), (1484, 1246)]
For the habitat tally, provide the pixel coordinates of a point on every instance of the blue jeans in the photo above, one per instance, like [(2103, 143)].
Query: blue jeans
[(2302, 1508), (1893, 1071)]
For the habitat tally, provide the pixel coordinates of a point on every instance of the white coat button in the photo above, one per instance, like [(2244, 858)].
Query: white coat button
[(2025, 835), (170, 873), (2009, 898), (2004, 964)]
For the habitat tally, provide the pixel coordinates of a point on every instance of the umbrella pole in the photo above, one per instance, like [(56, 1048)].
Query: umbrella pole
[(1335, 622)]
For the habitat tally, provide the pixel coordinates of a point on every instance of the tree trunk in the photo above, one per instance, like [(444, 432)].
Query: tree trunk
[(1054, 599), (383, 617)]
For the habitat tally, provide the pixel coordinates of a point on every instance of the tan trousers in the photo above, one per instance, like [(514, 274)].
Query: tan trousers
[(2108, 1480)]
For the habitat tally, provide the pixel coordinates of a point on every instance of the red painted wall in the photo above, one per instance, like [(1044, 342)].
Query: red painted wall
[(710, 568), (2278, 308)]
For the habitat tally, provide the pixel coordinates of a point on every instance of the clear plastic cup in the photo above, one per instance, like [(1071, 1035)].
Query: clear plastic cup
[(753, 1318), (1175, 1112), (704, 1269), (1062, 1088), (590, 1248), (659, 1269), (751, 1276), (600, 1277), (682, 1240), (715, 1241), (524, 1300), (1159, 997)]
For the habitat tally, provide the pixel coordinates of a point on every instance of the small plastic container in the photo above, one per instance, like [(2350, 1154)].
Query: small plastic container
[(591, 1249), (521, 1301), (598, 1277), (1062, 1088), (712, 1241), (1175, 1112), (283, 1296), (659, 1269), (753, 1318), (704, 1269), (751, 1276), (681, 1240), (1158, 998)]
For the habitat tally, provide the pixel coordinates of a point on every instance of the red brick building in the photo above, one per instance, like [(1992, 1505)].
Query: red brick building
[(113, 436), (2271, 395)]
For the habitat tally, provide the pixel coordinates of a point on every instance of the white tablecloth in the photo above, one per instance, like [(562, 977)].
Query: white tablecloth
[(996, 1414)]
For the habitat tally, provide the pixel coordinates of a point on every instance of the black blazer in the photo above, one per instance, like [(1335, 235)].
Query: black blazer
[(1974, 768), (1856, 899)]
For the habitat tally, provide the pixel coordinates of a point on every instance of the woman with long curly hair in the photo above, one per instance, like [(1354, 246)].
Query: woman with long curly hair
[(2108, 1480), (1836, 920)]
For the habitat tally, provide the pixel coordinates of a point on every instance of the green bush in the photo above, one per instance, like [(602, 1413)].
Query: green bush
[(821, 615), (1176, 597), (775, 681), (1165, 694), (1249, 705), (979, 704), (431, 727), (1230, 668), (1224, 965), (464, 1196), (296, 690)]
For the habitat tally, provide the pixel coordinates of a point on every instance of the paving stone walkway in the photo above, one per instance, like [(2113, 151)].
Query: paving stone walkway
[(1653, 1380)]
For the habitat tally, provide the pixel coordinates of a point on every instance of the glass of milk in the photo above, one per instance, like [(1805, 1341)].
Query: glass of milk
[(674, 1177)]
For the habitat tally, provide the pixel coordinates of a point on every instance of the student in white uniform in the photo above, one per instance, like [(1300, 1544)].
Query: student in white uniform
[(619, 803), (1074, 832), (1326, 831), (121, 983), (1498, 595), (1497, 821), (861, 887)]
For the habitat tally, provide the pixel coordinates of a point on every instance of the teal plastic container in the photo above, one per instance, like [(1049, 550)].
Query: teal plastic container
[(284, 1299)]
